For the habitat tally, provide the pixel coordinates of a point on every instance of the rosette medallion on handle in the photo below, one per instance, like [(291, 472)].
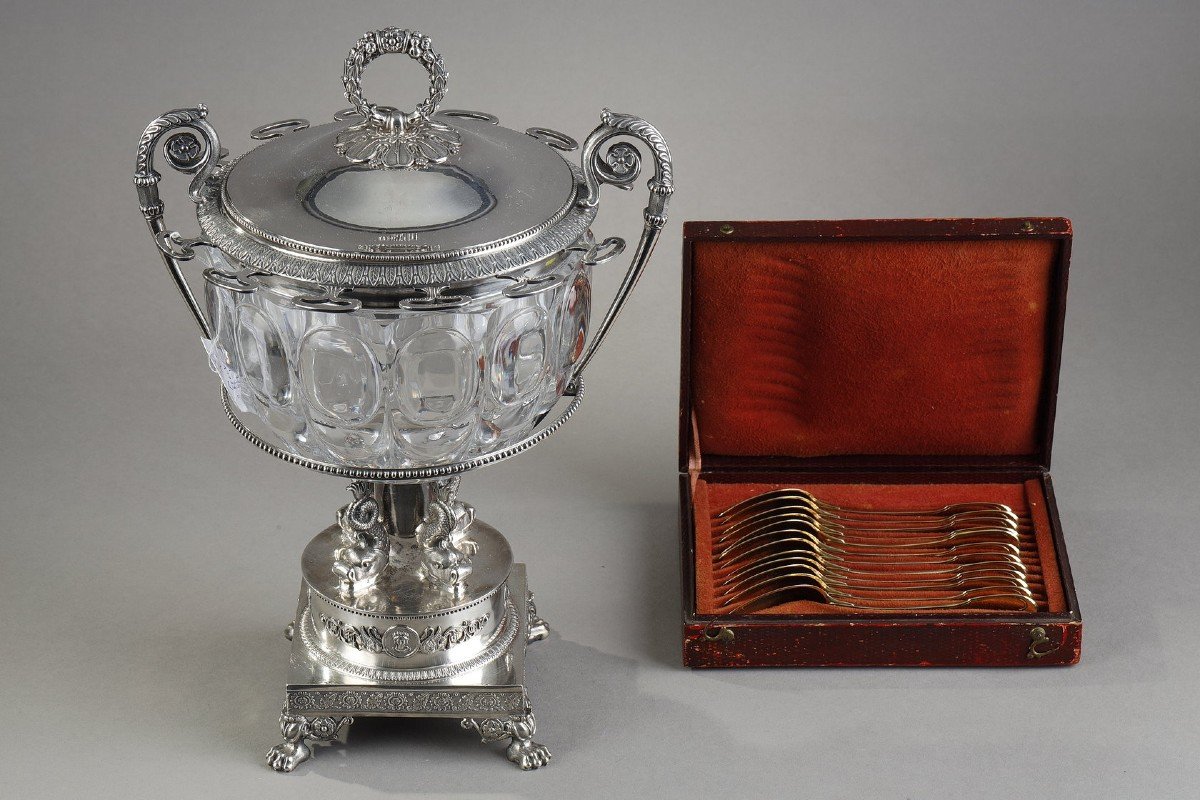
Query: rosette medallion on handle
[(186, 153), (619, 165)]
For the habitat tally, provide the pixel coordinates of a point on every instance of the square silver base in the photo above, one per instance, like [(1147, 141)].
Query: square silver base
[(491, 699)]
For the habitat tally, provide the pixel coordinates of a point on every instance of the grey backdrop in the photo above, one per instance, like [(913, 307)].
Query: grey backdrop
[(150, 556)]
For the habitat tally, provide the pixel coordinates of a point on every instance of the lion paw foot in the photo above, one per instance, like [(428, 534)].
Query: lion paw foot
[(528, 754), (287, 756)]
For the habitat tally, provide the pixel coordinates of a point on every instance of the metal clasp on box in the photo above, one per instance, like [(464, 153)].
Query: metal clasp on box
[(1040, 644), (718, 633)]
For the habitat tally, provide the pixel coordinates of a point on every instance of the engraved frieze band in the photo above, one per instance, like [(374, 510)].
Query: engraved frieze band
[(402, 641), (406, 701)]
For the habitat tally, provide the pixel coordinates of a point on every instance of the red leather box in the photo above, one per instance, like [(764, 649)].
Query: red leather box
[(880, 364)]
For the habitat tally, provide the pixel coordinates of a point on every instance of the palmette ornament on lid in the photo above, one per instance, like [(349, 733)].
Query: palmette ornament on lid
[(396, 297)]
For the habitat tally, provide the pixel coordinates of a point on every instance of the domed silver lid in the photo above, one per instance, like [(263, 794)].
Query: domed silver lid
[(384, 198)]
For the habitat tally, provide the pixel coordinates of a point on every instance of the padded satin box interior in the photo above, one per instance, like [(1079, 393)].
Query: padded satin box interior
[(895, 364)]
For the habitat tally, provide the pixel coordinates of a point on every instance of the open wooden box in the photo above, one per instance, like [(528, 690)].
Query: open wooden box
[(881, 364)]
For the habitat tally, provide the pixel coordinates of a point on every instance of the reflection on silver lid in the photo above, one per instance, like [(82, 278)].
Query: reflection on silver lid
[(364, 199)]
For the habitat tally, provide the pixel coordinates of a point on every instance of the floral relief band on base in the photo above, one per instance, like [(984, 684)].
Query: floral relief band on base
[(402, 641)]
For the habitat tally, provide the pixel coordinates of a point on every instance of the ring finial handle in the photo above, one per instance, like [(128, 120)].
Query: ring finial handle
[(372, 45), (389, 138)]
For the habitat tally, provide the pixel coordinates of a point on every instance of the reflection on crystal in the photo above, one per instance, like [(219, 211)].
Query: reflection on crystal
[(222, 320), (488, 433), (439, 445), (575, 319), (519, 355), (283, 420), (357, 446), (305, 441), (436, 376), (262, 356), (340, 375)]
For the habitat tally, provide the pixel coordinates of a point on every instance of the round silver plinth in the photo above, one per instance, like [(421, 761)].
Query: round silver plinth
[(404, 622)]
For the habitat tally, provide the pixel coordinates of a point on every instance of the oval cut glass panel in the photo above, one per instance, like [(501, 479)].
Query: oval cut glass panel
[(575, 320), (340, 376), (437, 376), (262, 356), (519, 356)]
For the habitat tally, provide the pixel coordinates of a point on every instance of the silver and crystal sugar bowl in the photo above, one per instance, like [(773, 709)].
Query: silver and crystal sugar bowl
[(396, 297)]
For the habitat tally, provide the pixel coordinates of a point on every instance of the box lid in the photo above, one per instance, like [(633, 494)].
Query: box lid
[(872, 343)]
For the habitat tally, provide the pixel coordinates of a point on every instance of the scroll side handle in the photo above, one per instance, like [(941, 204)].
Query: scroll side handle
[(186, 153), (620, 164)]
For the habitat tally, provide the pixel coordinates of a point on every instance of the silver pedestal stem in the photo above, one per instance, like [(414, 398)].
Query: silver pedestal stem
[(403, 505)]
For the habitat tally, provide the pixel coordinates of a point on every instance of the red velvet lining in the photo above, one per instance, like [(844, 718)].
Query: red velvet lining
[(1027, 498), (807, 348)]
